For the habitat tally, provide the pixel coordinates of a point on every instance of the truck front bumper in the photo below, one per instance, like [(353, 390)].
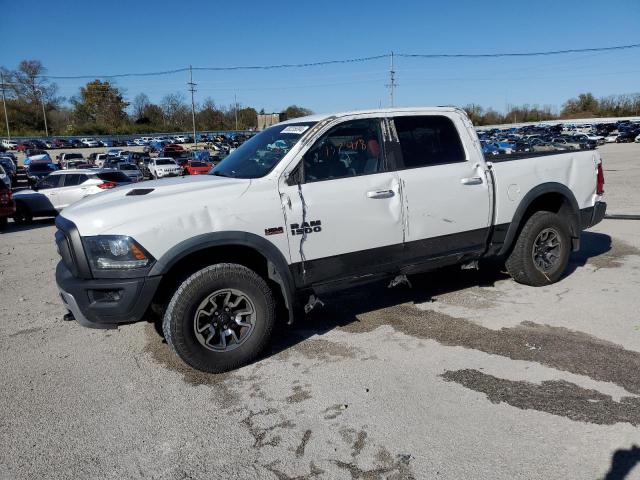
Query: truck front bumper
[(105, 303), (592, 215)]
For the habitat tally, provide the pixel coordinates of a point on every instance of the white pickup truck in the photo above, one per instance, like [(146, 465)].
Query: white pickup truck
[(312, 205)]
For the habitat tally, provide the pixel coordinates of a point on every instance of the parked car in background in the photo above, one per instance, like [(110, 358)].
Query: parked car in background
[(164, 167), (75, 143), (44, 157), (60, 143), (9, 144), (89, 142), (39, 169), (627, 136), (4, 177), (61, 189), (195, 167), (611, 138), (131, 171), (65, 158), (10, 168), (24, 145), (7, 205)]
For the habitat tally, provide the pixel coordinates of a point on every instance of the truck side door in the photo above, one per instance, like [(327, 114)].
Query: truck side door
[(344, 209), (445, 187)]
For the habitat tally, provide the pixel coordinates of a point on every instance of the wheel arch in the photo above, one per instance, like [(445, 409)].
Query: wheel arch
[(244, 248), (551, 196)]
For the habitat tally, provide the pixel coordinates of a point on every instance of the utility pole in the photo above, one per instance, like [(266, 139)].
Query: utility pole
[(392, 81), (44, 112), (4, 103), (193, 105), (235, 108)]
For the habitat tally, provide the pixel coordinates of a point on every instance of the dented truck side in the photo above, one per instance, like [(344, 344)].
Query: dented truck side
[(314, 205)]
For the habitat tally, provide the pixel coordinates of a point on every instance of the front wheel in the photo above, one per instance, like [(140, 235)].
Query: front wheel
[(220, 318), (541, 252)]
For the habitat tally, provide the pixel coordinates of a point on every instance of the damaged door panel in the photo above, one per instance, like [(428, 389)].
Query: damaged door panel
[(345, 202)]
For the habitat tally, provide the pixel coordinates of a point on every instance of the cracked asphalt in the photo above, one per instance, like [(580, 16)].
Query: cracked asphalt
[(465, 375)]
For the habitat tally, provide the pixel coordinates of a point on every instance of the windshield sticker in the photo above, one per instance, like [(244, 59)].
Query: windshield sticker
[(296, 129)]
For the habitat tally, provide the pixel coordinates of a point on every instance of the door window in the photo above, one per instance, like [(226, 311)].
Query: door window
[(51, 181), (428, 140), (347, 150)]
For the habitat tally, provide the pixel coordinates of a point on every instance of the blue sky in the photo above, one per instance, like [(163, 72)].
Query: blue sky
[(87, 38)]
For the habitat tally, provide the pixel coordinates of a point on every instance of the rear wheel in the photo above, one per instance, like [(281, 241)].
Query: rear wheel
[(3, 223), (220, 318), (541, 252), (23, 214)]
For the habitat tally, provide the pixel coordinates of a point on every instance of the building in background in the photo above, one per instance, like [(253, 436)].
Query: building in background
[(265, 120)]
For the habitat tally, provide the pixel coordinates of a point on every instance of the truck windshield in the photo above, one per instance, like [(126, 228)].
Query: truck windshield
[(257, 156)]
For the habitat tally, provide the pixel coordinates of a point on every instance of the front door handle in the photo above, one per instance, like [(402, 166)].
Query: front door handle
[(471, 181), (380, 194)]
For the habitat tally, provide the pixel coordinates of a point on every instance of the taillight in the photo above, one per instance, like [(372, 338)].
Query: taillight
[(600, 180), (5, 198), (105, 185)]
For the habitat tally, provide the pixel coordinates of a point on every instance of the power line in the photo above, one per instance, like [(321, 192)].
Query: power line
[(347, 61)]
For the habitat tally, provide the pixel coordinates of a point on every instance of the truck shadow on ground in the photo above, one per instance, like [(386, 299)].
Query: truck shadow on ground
[(13, 227), (347, 307)]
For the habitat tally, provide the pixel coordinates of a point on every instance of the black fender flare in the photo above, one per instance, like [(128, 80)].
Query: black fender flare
[(277, 265), (531, 196)]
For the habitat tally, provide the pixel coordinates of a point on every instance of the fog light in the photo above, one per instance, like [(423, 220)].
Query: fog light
[(105, 295)]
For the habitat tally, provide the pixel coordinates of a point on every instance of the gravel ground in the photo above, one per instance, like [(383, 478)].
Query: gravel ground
[(465, 375)]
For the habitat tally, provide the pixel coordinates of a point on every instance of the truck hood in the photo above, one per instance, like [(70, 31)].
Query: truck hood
[(121, 210)]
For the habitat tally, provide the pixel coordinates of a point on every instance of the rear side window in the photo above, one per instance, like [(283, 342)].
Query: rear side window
[(116, 176), (73, 179), (428, 140)]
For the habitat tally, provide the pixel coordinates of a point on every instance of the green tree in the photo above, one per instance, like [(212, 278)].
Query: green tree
[(27, 89), (294, 111), (101, 107)]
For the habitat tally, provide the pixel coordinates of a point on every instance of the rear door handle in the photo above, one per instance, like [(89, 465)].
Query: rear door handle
[(380, 194), (471, 181)]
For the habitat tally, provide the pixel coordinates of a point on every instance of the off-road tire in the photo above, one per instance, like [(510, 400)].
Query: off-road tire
[(178, 321), (23, 214), (520, 263)]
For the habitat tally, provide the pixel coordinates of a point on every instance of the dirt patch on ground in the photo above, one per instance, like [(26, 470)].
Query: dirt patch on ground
[(299, 395), (556, 347), (319, 349), (557, 397)]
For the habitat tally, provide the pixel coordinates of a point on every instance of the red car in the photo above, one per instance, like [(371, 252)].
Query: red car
[(22, 146), (7, 205), (173, 147), (194, 167)]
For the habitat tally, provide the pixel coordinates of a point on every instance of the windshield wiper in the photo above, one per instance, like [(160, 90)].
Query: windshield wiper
[(220, 174)]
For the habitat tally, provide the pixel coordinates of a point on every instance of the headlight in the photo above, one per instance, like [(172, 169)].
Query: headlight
[(116, 252)]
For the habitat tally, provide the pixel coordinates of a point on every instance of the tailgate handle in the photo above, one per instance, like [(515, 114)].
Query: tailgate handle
[(380, 194), (471, 181)]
